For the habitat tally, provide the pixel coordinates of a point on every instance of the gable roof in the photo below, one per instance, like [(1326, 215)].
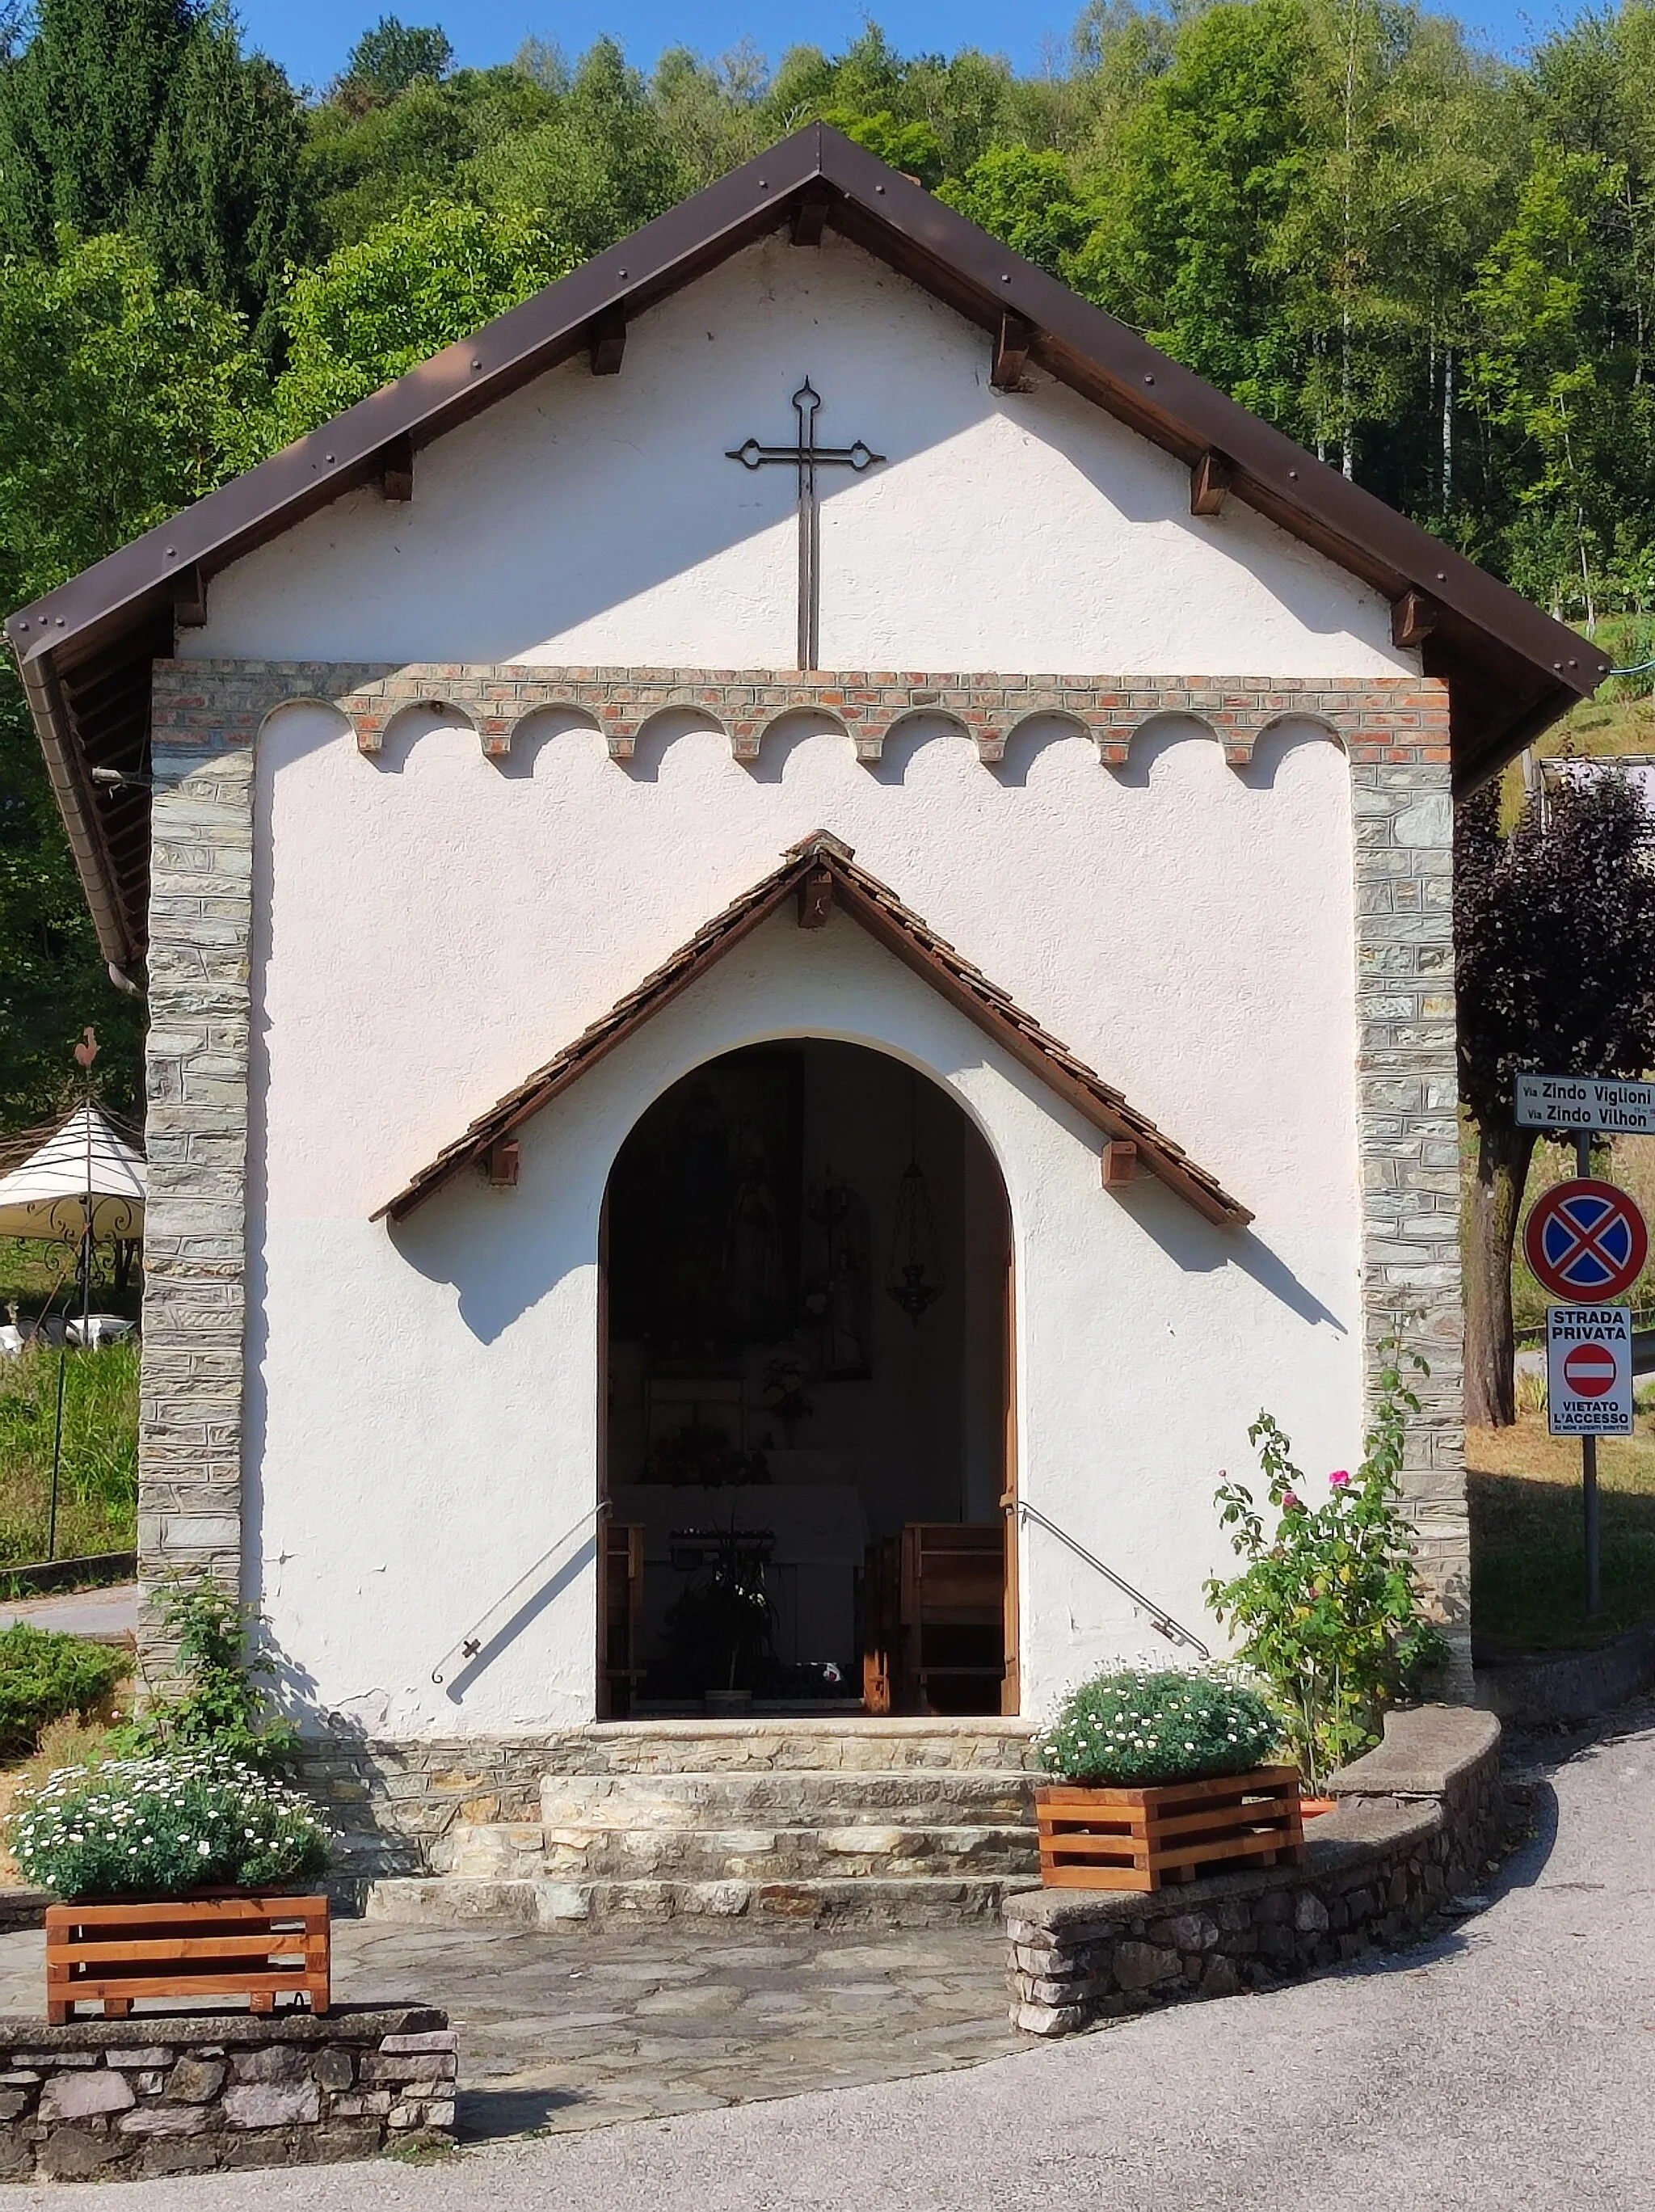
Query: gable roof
[(822, 874), (85, 649)]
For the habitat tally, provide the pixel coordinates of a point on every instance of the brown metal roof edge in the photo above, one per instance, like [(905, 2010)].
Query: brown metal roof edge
[(896, 219), (900, 931)]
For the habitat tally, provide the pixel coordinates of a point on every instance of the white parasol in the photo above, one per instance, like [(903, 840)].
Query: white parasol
[(47, 1196)]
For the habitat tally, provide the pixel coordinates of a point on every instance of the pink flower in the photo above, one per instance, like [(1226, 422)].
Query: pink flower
[(1290, 1504), (1340, 1479)]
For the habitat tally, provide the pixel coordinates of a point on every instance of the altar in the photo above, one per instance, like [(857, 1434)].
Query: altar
[(818, 1534)]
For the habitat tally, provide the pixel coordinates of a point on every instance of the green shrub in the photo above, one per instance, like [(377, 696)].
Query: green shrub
[(220, 1707), (1327, 1609), (161, 1827), (44, 1676), (1141, 1725)]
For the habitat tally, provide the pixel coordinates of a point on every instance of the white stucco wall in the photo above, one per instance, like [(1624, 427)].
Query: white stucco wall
[(596, 519), (422, 1412)]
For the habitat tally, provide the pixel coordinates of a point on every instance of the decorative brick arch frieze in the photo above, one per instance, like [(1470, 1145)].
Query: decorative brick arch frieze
[(206, 717), (1374, 718)]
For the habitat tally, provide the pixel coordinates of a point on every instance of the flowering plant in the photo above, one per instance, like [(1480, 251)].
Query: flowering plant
[(160, 1827), (1328, 1609), (1142, 1724)]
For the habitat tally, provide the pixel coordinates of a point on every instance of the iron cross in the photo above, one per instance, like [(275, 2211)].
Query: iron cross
[(807, 456)]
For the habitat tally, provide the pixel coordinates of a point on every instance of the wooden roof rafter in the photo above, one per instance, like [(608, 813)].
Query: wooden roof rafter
[(809, 870)]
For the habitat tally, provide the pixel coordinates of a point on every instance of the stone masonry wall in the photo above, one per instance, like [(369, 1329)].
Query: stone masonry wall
[(392, 1805), (195, 1236), (106, 2100), (1417, 1822), (206, 717)]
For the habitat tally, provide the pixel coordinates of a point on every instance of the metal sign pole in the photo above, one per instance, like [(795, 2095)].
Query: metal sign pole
[(1589, 1444)]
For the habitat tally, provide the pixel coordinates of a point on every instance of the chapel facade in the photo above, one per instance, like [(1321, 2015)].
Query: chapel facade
[(796, 911)]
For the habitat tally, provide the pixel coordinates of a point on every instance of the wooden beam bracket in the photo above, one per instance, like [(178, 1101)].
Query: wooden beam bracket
[(189, 597), (1012, 343), (1209, 482), (1120, 1163), (810, 217), (1413, 618), (816, 898), (394, 467), (503, 1162), (606, 342)]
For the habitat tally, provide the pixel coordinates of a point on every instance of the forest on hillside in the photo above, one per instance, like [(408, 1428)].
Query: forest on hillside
[(1435, 268)]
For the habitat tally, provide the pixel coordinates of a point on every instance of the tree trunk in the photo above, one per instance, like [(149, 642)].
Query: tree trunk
[(1502, 1170)]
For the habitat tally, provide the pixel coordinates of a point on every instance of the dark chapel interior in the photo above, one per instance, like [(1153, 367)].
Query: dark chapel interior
[(806, 1323)]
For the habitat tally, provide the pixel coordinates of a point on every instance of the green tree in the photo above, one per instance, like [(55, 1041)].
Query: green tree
[(603, 165), (1027, 200), (1204, 173), (80, 108), (374, 310), (223, 207), (394, 55), (145, 116), (118, 406), (1538, 373)]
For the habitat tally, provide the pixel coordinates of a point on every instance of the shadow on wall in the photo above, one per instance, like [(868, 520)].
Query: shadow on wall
[(1132, 477), (503, 1250), (1199, 1247), (561, 1573)]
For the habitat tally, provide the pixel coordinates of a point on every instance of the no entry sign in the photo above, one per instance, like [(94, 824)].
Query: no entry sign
[(1585, 1240), (1589, 1370)]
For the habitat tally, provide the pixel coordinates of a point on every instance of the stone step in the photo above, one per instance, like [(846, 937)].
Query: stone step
[(499, 1851), (799, 1746), (770, 1797), (570, 1907)]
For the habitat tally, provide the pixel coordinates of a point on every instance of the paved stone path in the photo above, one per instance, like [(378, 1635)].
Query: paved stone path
[(1509, 2062), (562, 2032)]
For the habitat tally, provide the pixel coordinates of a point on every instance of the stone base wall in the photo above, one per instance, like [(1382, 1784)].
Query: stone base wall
[(204, 2093), (1417, 1820), (394, 1805)]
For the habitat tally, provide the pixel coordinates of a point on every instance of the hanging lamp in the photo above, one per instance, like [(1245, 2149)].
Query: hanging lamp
[(914, 1277)]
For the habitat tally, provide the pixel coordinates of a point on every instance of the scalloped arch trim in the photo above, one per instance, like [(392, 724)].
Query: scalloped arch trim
[(1396, 719)]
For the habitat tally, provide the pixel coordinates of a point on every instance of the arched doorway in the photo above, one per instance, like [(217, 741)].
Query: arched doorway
[(806, 1443)]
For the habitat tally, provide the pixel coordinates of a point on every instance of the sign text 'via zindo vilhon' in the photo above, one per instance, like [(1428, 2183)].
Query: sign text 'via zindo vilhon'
[(1585, 1102)]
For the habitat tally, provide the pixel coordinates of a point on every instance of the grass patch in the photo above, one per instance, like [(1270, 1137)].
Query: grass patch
[(35, 1275), (70, 1742), (97, 1508), (1528, 1569)]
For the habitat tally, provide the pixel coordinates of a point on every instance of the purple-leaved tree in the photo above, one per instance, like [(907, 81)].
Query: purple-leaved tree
[(1555, 970)]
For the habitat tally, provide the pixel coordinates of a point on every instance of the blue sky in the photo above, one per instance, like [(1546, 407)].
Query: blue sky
[(310, 38)]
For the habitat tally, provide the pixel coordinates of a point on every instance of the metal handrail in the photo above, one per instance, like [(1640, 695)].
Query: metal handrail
[(1159, 1619), (472, 1642)]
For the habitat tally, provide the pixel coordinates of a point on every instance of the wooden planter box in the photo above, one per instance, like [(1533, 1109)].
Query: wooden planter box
[(259, 1947), (1119, 1838)]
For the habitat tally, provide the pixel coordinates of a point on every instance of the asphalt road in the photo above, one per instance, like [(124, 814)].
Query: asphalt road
[(109, 1614), (1508, 2064)]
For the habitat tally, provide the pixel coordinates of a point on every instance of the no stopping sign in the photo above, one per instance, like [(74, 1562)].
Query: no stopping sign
[(1585, 1240)]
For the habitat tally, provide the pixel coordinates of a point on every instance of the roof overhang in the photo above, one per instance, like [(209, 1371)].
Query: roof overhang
[(819, 875), (86, 648)]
